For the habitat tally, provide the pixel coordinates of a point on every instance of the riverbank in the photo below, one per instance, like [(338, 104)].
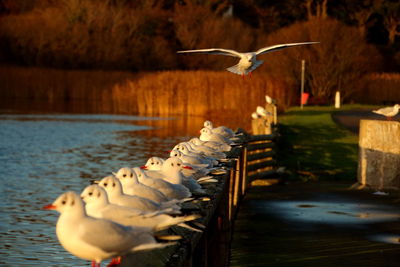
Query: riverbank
[(321, 142)]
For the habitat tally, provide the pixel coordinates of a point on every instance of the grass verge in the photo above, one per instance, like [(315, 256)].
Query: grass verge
[(314, 147)]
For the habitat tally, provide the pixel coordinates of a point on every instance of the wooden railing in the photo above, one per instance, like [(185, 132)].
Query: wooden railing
[(253, 158)]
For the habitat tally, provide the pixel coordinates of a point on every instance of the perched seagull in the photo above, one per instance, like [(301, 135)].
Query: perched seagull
[(262, 112), (388, 112), (171, 171), (248, 61), (96, 239), (113, 187), (131, 186), (98, 206), (170, 190), (207, 135), (255, 115), (270, 100), (222, 130), (215, 145)]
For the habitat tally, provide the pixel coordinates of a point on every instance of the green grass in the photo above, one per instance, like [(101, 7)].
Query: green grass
[(313, 147)]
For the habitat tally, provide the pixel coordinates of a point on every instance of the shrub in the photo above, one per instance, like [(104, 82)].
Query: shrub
[(338, 63)]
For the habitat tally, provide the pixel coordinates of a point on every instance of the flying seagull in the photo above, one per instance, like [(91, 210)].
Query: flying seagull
[(248, 61)]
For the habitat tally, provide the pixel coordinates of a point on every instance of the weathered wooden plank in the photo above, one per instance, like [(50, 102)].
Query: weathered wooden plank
[(262, 175), (252, 147), (261, 165), (263, 137), (261, 155)]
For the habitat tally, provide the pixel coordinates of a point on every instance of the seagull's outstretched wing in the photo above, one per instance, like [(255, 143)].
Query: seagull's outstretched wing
[(279, 47), (214, 51)]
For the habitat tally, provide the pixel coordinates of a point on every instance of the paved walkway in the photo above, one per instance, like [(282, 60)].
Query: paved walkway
[(350, 119), (316, 224)]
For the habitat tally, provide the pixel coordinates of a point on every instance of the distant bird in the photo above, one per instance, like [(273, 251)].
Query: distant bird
[(248, 61), (255, 116), (269, 100), (262, 112), (388, 112)]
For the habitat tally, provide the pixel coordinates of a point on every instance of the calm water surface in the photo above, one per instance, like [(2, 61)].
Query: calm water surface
[(42, 156)]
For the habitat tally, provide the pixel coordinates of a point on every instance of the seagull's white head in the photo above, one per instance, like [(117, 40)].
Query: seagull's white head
[(126, 176), (175, 154), (173, 165), (208, 124), (67, 202), (94, 194), (397, 106), (184, 148), (205, 131), (112, 185), (154, 163), (141, 175)]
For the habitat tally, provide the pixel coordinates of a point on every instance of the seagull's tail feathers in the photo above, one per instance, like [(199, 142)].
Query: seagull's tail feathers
[(235, 69), (151, 246)]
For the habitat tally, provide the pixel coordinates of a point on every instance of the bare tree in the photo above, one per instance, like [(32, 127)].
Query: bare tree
[(342, 56), (391, 15)]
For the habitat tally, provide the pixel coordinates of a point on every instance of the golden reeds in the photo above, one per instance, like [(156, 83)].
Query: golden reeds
[(184, 93)]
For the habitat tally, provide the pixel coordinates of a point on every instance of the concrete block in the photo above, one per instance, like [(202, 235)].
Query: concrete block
[(379, 154)]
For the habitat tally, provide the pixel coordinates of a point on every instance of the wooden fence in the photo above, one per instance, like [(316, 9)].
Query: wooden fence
[(252, 159)]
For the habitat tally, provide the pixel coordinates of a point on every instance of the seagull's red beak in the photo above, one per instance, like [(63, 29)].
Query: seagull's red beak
[(169, 151), (143, 167), (49, 207), (187, 167)]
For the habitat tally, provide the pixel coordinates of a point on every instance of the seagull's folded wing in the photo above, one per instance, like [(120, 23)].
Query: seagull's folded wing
[(107, 235), (279, 47), (214, 51)]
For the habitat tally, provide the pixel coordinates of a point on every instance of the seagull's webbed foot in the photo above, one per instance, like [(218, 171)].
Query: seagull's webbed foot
[(114, 262), (95, 264)]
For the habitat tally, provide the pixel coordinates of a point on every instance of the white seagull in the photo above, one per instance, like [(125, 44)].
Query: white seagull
[(96, 239), (248, 61), (388, 112), (115, 193), (131, 186), (98, 206)]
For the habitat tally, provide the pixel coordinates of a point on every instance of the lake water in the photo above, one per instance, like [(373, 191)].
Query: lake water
[(44, 155)]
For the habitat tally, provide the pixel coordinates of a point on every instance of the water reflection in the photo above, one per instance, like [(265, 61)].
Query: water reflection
[(43, 155), (337, 213)]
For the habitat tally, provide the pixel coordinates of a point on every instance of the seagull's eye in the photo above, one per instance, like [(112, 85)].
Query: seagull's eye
[(113, 184), (124, 175), (105, 184), (63, 202), (72, 203), (172, 164), (152, 163), (179, 164), (131, 175), (98, 195), (90, 193)]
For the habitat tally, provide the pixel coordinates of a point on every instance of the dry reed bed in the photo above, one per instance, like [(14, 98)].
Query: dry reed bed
[(221, 96)]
